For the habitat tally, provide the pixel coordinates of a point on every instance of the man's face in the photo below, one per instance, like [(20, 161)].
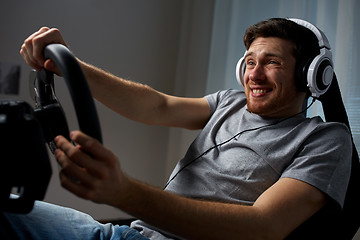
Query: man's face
[(270, 78)]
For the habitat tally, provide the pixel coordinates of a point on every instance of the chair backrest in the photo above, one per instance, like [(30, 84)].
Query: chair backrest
[(328, 223)]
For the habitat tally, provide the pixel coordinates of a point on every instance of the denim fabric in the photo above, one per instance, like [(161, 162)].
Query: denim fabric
[(48, 221)]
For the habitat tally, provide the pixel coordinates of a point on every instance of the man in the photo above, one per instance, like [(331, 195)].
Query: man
[(258, 170)]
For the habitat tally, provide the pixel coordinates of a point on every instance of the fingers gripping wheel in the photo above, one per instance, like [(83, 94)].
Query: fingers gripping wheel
[(317, 74), (49, 110)]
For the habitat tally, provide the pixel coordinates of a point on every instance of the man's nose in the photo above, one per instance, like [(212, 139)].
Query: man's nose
[(257, 73)]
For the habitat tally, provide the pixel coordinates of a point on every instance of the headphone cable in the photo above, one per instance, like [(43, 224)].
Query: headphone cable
[(234, 137)]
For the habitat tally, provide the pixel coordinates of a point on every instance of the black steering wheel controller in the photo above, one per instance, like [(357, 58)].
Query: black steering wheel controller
[(25, 131)]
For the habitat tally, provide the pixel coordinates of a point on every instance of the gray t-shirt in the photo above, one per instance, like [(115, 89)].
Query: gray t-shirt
[(239, 155)]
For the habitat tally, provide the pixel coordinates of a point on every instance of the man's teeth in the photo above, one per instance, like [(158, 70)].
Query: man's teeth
[(258, 91)]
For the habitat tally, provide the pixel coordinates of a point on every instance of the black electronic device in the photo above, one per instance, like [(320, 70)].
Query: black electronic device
[(26, 168)]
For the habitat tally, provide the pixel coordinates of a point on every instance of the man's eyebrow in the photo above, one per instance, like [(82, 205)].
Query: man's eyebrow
[(247, 54), (269, 54)]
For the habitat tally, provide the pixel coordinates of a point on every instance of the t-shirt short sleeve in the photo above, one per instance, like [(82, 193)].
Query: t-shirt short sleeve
[(323, 161)]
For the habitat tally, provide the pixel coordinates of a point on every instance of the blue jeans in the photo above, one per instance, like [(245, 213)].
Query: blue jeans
[(48, 221)]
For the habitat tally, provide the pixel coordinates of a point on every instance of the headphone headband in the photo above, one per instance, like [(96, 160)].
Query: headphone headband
[(323, 41), (317, 74)]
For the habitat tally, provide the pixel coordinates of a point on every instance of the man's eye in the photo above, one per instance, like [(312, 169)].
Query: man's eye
[(250, 63)]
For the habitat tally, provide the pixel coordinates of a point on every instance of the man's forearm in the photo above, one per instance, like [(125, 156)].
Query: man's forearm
[(190, 218), (275, 214), (133, 100), (144, 104)]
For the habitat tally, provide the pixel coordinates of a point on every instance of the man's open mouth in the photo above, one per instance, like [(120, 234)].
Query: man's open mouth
[(261, 91)]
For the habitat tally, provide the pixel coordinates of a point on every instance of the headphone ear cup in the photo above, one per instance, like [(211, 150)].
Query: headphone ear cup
[(320, 73), (240, 70)]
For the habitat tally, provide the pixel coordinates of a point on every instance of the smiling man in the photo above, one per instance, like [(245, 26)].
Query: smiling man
[(270, 80), (258, 169)]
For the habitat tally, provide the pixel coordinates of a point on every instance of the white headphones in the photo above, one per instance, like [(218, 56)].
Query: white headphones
[(319, 73)]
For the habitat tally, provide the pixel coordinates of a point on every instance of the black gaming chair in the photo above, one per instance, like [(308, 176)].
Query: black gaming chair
[(329, 223)]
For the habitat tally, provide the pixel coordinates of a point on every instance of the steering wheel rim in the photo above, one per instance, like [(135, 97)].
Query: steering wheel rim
[(82, 99)]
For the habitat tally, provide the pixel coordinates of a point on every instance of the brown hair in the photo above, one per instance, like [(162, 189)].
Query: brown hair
[(306, 43)]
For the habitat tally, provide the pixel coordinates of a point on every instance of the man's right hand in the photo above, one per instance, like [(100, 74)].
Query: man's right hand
[(32, 49)]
